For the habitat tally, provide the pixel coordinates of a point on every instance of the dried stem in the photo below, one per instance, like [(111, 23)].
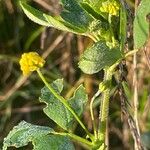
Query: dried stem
[(131, 122), (135, 85), (147, 56)]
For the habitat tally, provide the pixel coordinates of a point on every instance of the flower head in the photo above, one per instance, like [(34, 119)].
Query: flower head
[(110, 7), (31, 62)]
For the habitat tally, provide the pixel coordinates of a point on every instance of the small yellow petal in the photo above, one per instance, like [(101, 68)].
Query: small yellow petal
[(111, 8), (31, 62)]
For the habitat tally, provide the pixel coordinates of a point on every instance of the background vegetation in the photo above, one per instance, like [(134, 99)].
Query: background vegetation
[(19, 95)]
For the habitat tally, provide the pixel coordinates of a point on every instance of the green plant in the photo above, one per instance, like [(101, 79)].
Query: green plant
[(98, 20)]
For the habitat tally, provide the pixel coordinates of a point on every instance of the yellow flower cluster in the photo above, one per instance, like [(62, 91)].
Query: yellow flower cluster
[(31, 62), (110, 7)]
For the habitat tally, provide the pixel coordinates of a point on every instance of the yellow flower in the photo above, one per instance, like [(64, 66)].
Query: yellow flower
[(31, 62), (110, 8)]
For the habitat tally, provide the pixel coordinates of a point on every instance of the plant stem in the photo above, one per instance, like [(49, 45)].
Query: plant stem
[(92, 114), (64, 103), (104, 108), (131, 53), (75, 137)]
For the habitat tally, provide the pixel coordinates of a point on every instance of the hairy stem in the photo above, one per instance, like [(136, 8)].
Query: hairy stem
[(104, 108)]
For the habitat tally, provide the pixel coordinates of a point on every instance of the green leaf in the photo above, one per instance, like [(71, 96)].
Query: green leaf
[(47, 20), (76, 15), (95, 5), (53, 142), (79, 100), (56, 110), (141, 25), (123, 27), (34, 14), (98, 57), (24, 133), (40, 137), (92, 12)]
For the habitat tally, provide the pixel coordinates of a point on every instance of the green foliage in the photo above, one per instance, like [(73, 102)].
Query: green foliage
[(55, 108), (74, 18), (98, 57), (75, 15), (95, 5), (141, 24), (35, 15), (47, 20), (53, 142), (24, 133), (79, 100), (82, 17), (123, 27), (40, 137)]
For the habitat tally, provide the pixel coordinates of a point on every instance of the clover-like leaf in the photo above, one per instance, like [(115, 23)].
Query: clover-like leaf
[(98, 57), (53, 142), (47, 20), (76, 15), (123, 27), (141, 24), (55, 109), (79, 100), (24, 133), (95, 5), (40, 136)]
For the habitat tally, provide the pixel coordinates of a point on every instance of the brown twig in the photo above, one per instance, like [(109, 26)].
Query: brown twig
[(44, 5), (9, 6), (53, 45), (51, 7), (23, 110), (21, 80)]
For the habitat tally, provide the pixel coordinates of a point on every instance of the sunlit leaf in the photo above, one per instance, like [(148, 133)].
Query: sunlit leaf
[(141, 24), (123, 27), (40, 136), (56, 111), (75, 15), (98, 57), (24, 133), (53, 142), (47, 20)]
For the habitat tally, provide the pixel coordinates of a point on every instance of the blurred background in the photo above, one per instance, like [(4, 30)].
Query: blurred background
[(19, 95)]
